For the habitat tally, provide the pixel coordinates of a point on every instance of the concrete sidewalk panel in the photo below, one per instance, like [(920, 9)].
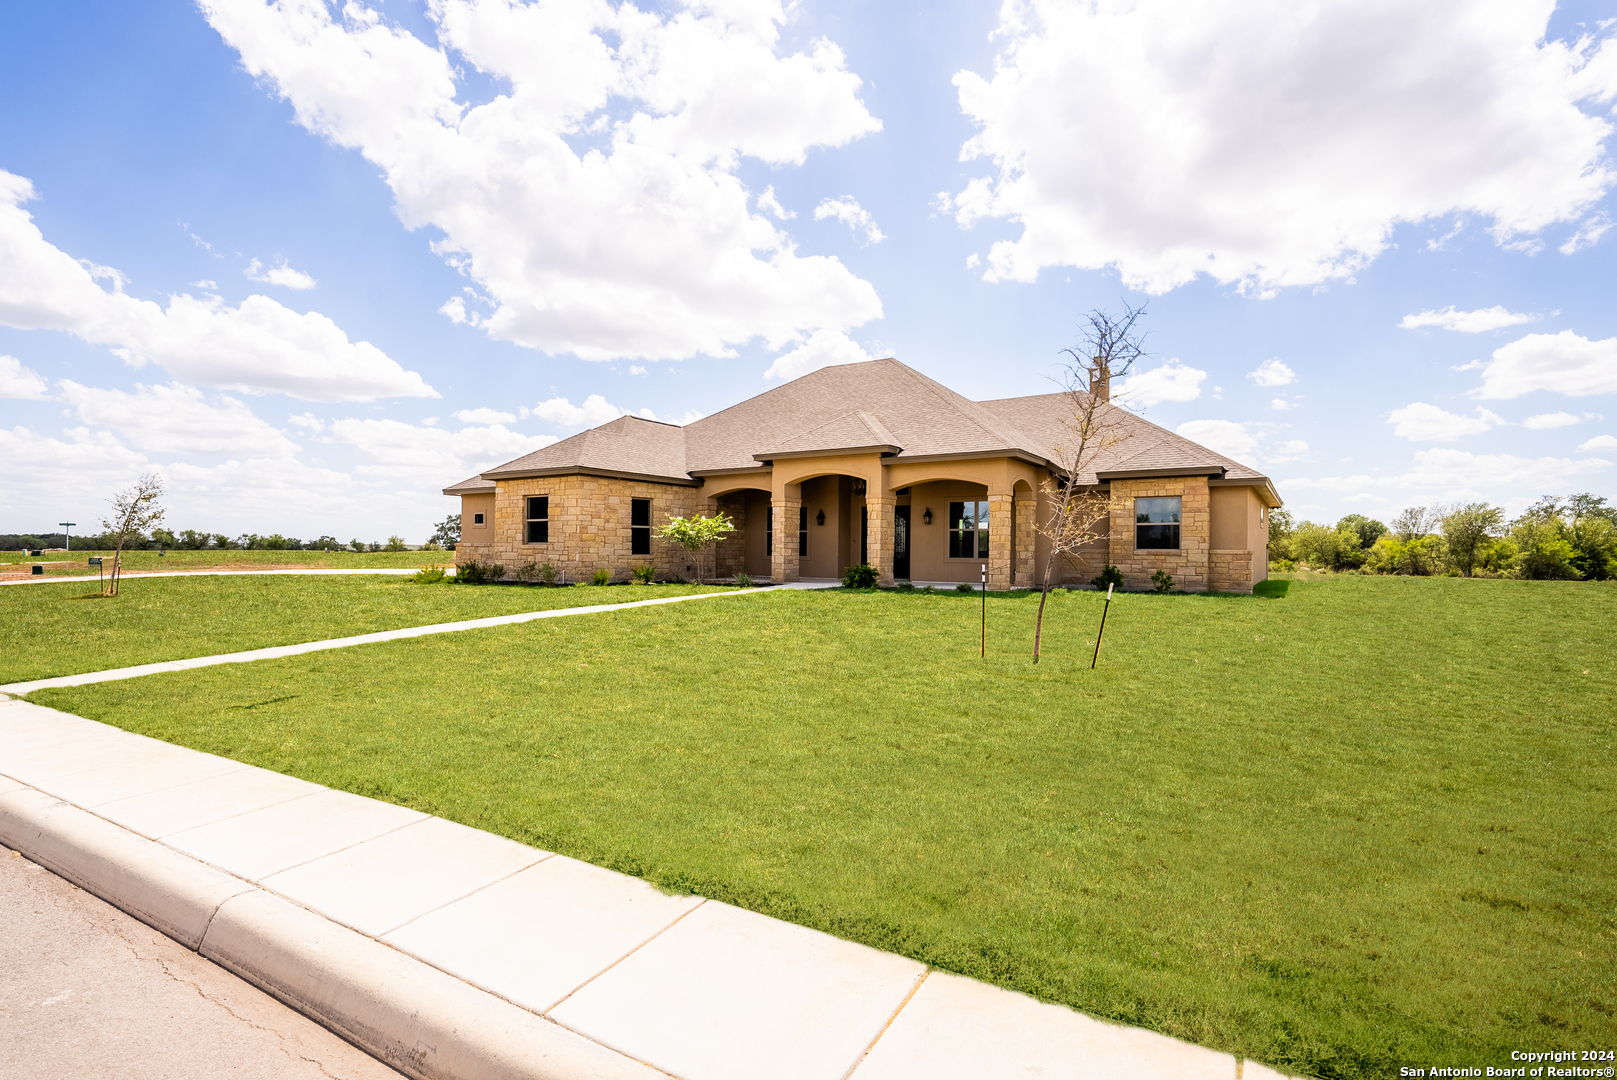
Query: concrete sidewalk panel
[(179, 765), (417, 1019), (727, 994), (8, 784), (537, 936), (78, 750), (264, 842), (186, 806), (956, 1028), (383, 883), (162, 888)]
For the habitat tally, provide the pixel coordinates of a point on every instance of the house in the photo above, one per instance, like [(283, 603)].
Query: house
[(870, 462)]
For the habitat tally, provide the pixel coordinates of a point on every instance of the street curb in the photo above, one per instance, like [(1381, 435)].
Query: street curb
[(407, 1014)]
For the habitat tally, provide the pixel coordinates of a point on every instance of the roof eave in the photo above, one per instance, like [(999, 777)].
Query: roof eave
[(1146, 474), (583, 470), (975, 455), (841, 451)]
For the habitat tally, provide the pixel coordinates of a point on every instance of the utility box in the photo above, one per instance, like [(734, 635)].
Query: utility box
[(39, 570)]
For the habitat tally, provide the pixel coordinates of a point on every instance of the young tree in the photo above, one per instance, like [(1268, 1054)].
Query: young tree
[(1416, 522), (1091, 425), (1368, 530), (1468, 530), (447, 533), (134, 510), (696, 533)]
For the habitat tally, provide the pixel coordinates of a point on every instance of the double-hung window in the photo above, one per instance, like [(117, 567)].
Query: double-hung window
[(968, 530), (538, 531), (802, 532), (639, 526), (1156, 524)]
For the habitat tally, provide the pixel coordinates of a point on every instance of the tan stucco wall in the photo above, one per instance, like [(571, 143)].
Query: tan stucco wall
[(472, 533), (929, 544), (1240, 539)]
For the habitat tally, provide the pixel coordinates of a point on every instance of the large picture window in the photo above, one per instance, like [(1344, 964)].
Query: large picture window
[(968, 530), (1156, 523), (538, 531), (639, 526), (769, 534), (802, 532)]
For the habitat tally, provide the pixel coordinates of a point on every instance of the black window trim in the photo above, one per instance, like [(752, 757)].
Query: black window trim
[(639, 535), (977, 531), (1177, 526), (536, 527)]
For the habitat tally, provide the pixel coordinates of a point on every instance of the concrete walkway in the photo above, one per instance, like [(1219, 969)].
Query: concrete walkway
[(447, 952), (278, 651)]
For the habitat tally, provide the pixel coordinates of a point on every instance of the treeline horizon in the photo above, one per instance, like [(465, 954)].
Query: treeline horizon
[(446, 535)]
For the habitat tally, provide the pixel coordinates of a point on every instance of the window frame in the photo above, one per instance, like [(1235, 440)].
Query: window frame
[(639, 535), (1177, 524), (536, 527), (769, 534), (477, 519), (979, 529), (802, 531)]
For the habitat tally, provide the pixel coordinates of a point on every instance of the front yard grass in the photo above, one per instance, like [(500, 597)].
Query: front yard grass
[(1364, 826), (62, 629)]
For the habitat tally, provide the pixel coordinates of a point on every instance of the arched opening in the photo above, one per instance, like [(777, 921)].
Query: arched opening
[(948, 529), (747, 550)]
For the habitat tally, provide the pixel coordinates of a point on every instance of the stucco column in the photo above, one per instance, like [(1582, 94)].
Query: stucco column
[(783, 560), (880, 510), (1026, 513), (1001, 540)]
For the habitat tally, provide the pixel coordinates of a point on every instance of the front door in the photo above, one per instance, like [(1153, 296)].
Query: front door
[(901, 542)]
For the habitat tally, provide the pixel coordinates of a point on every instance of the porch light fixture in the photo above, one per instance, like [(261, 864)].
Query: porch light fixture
[(927, 517), (819, 519)]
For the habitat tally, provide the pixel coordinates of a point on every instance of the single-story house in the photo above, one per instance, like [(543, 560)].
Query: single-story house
[(870, 462)]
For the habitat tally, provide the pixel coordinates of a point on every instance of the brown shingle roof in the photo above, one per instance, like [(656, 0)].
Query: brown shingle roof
[(472, 485), (629, 446)]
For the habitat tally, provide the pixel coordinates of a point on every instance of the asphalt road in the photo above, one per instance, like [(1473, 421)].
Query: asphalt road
[(88, 993)]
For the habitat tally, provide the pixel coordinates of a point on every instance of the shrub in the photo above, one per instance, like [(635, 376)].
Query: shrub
[(479, 573), (601, 577), (904, 586), (1109, 576), (547, 573), (528, 572), (744, 580), (1282, 566), (964, 588), (1162, 580), (643, 575), (429, 575), (930, 591), (394, 543), (862, 576)]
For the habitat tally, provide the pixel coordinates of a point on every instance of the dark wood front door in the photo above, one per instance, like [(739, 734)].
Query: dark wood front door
[(901, 542)]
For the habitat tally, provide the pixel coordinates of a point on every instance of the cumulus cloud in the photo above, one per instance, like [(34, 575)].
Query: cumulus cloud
[(767, 201), (1544, 421), (1467, 322), (1273, 372), (848, 211), (484, 416), (1420, 422), (176, 419), (257, 347), (591, 412), (1594, 227), (689, 416), (1172, 381), (1447, 473), (282, 275), (1599, 442), (595, 198), (431, 457), (19, 382), (1272, 144), (1227, 437), (1281, 404), (824, 348), (1566, 363)]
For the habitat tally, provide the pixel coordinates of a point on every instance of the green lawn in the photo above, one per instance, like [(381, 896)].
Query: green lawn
[(1364, 826), (48, 630), (12, 562)]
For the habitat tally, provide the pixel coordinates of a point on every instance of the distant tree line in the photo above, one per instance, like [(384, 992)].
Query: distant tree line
[(191, 540), (1568, 538)]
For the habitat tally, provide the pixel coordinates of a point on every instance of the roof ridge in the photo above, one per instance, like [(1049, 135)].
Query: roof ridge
[(978, 415)]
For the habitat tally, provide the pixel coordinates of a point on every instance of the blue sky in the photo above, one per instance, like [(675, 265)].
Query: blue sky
[(315, 263)]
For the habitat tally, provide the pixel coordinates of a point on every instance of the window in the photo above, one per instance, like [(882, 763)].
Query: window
[(802, 532), (639, 526), (538, 519), (477, 519), (769, 534), (1156, 523), (968, 530)]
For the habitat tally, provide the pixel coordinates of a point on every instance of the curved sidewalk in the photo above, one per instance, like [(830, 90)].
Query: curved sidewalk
[(452, 953)]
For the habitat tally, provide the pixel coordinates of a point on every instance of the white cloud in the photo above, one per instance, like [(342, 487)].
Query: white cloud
[(973, 261), (690, 416), (592, 411), (1443, 473), (1467, 322), (848, 211), (1239, 441), (824, 348), (431, 457), (595, 199), (176, 419), (767, 201), (1421, 422), (308, 420), (282, 275), (1290, 450), (1272, 144), (1566, 363), (1593, 228), (206, 283), (636, 369), (483, 416), (1281, 404), (1273, 372), (257, 347), (1172, 381), (1599, 442), (1550, 420), (19, 382)]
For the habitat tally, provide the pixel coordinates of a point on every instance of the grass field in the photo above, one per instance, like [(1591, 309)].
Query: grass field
[(49, 630), (1364, 826), (12, 562)]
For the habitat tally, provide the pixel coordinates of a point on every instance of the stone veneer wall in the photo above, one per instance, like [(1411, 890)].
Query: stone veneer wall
[(1229, 571), (732, 550), (589, 526), (1189, 564)]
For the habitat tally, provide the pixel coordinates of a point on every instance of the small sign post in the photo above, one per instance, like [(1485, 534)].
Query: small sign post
[(95, 561), (982, 649), (68, 525), (1094, 659)]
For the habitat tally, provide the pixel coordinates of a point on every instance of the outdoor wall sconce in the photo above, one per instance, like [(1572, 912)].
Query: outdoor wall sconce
[(819, 519), (927, 517)]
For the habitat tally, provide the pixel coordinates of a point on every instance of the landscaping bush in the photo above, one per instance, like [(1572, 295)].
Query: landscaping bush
[(904, 586), (744, 580), (547, 573), (964, 588), (1162, 581), (643, 575), (601, 577), (862, 576), (1109, 576), (479, 573), (429, 575)]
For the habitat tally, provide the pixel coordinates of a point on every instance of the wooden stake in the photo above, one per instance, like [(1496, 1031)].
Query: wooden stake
[(982, 650)]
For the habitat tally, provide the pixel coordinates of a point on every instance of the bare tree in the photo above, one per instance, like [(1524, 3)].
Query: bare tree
[(1091, 426), (134, 510)]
